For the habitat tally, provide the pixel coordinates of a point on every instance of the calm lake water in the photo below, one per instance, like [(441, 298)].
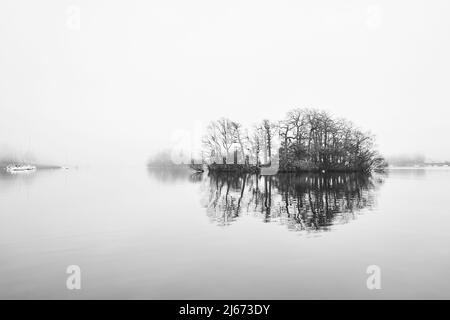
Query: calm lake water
[(147, 234)]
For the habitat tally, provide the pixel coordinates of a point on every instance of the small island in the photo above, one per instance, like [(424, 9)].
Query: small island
[(306, 140)]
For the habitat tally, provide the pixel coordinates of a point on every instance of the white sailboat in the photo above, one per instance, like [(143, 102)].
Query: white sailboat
[(17, 168)]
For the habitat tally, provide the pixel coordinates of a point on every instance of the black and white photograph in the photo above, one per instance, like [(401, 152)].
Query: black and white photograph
[(224, 151)]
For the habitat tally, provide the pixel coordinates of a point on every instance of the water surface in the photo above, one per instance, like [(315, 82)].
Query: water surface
[(164, 234)]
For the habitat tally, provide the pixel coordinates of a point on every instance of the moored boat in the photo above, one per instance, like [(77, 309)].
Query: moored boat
[(16, 168)]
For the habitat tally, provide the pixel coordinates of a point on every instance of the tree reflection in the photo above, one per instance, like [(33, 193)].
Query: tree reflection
[(311, 202), (173, 174)]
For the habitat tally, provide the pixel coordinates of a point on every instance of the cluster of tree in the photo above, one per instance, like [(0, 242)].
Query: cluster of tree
[(305, 139), (225, 136)]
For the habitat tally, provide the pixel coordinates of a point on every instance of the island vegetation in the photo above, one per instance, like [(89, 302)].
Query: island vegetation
[(305, 140)]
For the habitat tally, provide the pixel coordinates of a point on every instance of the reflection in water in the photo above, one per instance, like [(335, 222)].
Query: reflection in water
[(173, 174), (310, 202), (8, 180), (408, 173)]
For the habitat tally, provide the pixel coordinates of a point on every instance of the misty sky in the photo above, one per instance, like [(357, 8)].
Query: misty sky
[(136, 75)]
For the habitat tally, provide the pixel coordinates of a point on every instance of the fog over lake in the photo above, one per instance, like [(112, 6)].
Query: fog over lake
[(138, 233), (132, 78), (224, 149)]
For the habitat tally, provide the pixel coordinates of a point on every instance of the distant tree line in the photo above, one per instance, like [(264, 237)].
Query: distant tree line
[(407, 160), (306, 139)]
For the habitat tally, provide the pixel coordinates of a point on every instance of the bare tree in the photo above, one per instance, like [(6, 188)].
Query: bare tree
[(240, 138), (211, 142), (310, 139)]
